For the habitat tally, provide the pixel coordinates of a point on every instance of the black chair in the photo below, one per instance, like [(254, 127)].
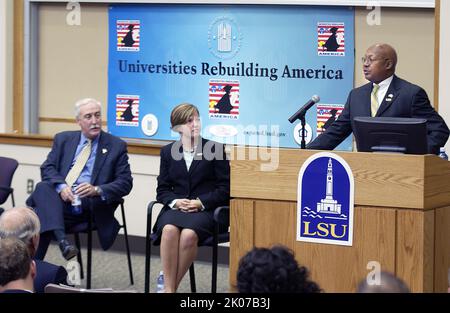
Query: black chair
[(8, 167), (87, 228), (221, 218)]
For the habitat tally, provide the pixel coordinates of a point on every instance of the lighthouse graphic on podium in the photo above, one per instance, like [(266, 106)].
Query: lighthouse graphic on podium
[(328, 204), (325, 194)]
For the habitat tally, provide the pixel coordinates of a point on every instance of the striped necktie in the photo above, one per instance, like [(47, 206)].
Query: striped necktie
[(374, 100), (79, 164)]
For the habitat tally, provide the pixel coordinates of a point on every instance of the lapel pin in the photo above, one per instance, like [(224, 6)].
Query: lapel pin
[(389, 97), (104, 150)]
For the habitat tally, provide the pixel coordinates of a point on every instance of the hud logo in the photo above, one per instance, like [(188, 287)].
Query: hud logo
[(325, 200), (224, 38)]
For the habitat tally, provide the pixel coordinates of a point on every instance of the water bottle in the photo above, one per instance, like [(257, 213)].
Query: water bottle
[(442, 153), (76, 202), (160, 283)]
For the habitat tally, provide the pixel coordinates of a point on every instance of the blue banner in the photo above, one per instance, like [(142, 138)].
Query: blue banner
[(247, 69)]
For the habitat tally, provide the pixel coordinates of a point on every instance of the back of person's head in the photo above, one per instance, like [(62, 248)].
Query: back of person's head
[(17, 269), (274, 270), (388, 283), (21, 223)]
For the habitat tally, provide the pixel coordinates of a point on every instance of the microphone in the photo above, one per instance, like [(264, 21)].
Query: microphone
[(314, 99)]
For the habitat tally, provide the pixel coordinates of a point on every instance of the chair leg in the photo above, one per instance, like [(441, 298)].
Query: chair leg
[(80, 261), (214, 270), (148, 251), (192, 278), (89, 255), (214, 260), (130, 269)]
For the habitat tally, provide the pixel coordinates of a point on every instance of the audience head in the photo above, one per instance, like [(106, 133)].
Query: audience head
[(21, 223), (379, 62), (185, 114), (88, 113), (274, 270), (17, 269), (389, 283)]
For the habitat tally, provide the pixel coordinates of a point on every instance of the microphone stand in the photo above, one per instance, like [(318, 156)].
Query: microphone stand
[(300, 114), (303, 122)]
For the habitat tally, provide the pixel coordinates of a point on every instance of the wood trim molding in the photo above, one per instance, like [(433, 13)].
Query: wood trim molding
[(437, 32), (46, 141), (62, 120), (18, 67)]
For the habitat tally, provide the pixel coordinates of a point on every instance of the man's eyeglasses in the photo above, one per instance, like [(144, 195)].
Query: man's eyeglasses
[(370, 60)]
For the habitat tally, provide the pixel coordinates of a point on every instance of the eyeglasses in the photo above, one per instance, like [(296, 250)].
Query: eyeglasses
[(369, 60)]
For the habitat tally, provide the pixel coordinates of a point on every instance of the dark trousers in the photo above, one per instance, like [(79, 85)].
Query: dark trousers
[(54, 214)]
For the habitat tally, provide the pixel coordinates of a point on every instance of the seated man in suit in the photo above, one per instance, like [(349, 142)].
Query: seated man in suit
[(90, 165), (17, 269), (385, 95), (22, 223)]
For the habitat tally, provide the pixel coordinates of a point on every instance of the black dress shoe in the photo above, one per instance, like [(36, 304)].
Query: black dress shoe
[(68, 251)]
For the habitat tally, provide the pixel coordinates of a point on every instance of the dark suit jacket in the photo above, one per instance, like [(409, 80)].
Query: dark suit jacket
[(208, 177), (408, 100), (111, 172), (47, 273)]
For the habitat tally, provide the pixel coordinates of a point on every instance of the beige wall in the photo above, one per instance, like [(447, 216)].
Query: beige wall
[(73, 61), (6, 61), (410, 32), (444, 64)]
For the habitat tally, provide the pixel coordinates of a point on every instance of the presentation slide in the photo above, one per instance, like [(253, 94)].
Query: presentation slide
[(248, 69)]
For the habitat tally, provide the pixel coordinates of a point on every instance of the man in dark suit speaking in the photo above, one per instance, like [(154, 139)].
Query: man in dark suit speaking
[(89, 164), (386, 95)]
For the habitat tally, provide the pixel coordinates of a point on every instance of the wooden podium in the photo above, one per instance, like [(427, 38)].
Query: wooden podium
[(401, 216)]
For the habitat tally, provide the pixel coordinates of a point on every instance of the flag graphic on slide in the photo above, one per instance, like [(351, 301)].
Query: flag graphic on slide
[(127, 110), (330, 39), (128, 35), (326, 115), (224, 99)]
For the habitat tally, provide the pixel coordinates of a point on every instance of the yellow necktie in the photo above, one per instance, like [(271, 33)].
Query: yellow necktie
[(79, 164), (374, 100)]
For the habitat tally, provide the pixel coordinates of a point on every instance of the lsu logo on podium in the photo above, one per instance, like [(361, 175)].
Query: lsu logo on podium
[(325, 200)]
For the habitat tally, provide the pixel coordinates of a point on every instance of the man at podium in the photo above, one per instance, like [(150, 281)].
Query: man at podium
[(385, 95)]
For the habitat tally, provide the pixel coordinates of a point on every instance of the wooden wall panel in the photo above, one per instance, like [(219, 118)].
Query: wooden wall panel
[(442, 246), (275, 223), (241, 233), (340, 268), (415, 249)]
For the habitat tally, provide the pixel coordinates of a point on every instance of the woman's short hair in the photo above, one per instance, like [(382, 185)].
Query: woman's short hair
[(182, 113)]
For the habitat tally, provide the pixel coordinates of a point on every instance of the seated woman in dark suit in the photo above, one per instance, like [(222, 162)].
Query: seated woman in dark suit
[(194, 179)]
